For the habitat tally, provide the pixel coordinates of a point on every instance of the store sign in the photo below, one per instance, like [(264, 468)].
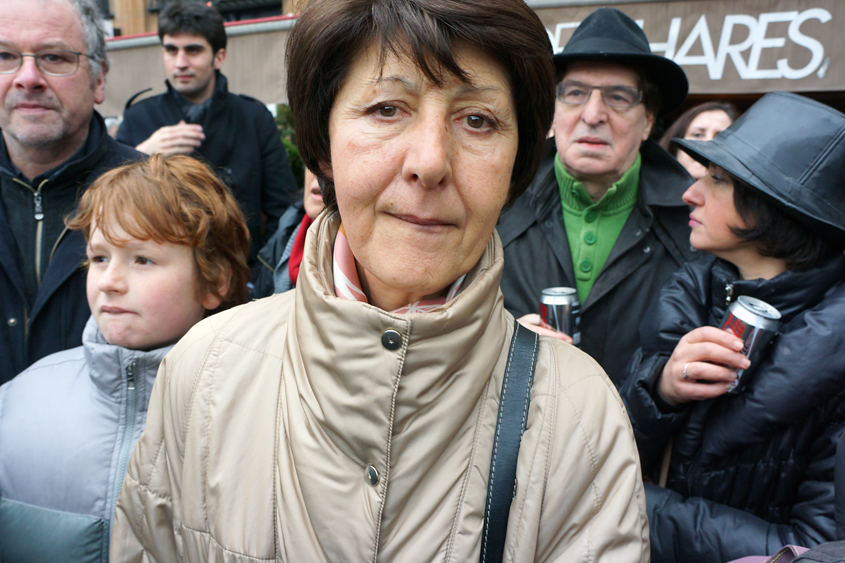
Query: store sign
[(738, 46)]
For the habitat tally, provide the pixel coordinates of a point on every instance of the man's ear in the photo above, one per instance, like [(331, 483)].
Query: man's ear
[(100, 87), (649, 124), (219, 57)]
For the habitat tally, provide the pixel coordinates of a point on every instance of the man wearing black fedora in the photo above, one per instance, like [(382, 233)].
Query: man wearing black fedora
[(604, 213)]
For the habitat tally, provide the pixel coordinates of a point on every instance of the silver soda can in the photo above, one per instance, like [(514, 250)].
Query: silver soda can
[(561, 310), (755, 322)]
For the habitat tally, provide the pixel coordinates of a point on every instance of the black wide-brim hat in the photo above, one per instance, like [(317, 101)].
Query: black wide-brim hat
[(608, 35), (792, 149)]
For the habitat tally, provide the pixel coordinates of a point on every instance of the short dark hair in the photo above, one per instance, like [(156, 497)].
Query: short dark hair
[(330, 34), (780, 235), (195, 18), (680, 126)]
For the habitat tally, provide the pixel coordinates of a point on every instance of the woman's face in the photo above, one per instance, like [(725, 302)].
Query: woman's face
[(704, 127), (421, 172), (713, 215)]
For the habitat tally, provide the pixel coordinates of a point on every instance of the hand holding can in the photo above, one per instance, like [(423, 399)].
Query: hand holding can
[(755, 322), (560, 310)]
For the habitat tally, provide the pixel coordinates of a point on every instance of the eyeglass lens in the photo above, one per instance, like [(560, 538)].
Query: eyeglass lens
[(54, 63), (577, 93)]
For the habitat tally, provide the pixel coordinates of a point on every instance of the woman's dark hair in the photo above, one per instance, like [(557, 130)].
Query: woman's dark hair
[(194, 18), (680, 126), (331, 34), (780, 235)]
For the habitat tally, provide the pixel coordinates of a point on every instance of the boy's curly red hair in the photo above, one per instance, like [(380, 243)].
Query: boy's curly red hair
[(179, 200)]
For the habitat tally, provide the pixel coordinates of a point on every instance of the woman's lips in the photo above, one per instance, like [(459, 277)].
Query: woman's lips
[(423, 222), (693, 221)]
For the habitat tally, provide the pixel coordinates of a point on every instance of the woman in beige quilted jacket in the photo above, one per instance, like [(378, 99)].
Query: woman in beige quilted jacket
[(353, 418)]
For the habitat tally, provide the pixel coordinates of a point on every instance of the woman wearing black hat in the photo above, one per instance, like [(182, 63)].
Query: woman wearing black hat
[(748, 473)]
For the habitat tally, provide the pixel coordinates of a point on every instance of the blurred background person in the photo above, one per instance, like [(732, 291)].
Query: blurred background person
[(281, 257), (166, 245), (354, 418), (747, 473), (234, 134), (699, 123)]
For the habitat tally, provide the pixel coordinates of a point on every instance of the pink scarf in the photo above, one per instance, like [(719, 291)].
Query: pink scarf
[(347, 285)]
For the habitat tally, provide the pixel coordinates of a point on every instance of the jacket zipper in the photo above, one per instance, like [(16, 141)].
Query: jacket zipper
[(39, 227), (128, 433), (729, 293)]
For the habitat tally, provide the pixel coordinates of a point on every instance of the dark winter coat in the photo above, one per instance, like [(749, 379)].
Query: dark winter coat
[(242, 145), (30, 330), (749, 473), (652, 245)]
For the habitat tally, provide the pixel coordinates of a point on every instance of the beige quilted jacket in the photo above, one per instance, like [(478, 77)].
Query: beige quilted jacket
[(285, 430)]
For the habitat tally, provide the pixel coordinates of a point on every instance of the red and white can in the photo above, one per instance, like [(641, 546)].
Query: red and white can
[(755, 322)]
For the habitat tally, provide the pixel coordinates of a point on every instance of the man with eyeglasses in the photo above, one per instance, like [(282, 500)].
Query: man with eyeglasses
[(53, 145), (197, 115), (604, 213)]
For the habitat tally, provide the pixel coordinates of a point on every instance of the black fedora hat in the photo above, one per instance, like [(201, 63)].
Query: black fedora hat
[(608, 35), (792, 149)]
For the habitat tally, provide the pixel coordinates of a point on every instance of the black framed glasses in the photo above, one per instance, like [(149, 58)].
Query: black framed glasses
[(574, 93), (52, 62)]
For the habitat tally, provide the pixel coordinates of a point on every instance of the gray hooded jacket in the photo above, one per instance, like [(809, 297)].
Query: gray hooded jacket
[(67, 427)]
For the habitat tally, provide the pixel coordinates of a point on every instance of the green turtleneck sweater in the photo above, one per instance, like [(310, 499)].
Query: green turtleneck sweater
[(592, 228)]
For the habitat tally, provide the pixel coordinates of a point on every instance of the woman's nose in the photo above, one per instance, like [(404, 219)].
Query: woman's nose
[(693, 194), (428, 160)]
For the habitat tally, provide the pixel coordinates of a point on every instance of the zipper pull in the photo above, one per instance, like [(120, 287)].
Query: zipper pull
[(130, 375), (39, 209), (729, 293)]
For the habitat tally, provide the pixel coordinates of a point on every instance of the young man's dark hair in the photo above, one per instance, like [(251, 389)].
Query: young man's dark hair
[(194, 18)]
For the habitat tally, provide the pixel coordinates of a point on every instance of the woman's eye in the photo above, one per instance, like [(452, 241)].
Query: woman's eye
[(476, 121), (96, 259), (387, 111)]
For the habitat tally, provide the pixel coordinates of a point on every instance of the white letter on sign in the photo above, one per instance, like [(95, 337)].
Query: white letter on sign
[(700, 31), (762, 42), (815, 47), (725, 47)]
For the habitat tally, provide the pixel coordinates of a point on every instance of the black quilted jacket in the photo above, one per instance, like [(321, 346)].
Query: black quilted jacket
[(751, 472)]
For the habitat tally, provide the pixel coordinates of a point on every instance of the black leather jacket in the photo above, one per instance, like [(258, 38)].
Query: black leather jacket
[(242, 145), (652, 245), (749, 473)]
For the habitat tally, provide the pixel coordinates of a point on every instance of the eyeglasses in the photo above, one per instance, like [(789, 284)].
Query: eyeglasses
[(51, 62), (575, 93)]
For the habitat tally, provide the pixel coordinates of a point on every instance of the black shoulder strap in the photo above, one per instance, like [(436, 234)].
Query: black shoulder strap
[(513, 414)]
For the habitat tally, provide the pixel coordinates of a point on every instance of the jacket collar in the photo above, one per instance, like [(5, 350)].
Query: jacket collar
[(790, 292), (359, 389), (95, 146), (221, 90), (108, 365)]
